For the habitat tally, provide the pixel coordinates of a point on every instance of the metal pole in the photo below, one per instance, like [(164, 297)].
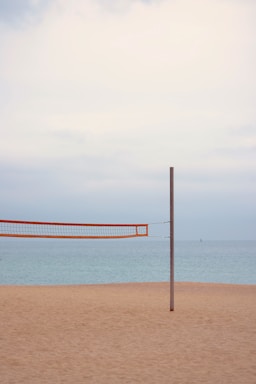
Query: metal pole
[(171, 239)]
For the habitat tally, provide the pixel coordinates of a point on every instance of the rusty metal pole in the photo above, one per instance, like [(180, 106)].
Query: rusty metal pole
[(171, 239)]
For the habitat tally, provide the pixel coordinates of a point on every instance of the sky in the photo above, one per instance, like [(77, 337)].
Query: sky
[(99, 98)]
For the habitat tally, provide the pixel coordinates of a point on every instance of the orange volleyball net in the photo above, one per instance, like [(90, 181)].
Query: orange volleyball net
[(39, 229)]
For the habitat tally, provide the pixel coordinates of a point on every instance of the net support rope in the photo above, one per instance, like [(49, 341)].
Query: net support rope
[(39, 229)]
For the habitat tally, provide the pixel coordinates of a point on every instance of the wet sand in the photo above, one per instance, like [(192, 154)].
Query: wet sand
[(125, 333)]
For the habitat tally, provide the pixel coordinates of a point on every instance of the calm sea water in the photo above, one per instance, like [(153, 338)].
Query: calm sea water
[(54, 262)]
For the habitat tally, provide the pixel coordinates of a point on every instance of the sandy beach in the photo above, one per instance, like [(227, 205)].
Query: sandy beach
[(125, 333)]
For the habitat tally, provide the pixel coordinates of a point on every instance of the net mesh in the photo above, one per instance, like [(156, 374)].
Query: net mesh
[(36, 229)]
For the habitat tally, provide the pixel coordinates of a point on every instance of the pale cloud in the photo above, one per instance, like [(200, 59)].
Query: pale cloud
[(114, 92)]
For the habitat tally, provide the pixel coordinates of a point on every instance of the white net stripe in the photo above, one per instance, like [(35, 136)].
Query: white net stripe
[(14, 229)]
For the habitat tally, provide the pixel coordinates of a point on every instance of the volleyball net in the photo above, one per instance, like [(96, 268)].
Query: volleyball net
[(38, 229)]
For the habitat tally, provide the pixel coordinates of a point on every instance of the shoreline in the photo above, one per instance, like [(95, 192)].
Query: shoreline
[(125, 333), (126, 283)]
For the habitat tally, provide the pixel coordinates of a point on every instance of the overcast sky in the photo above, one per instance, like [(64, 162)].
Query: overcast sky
[(98, 98)]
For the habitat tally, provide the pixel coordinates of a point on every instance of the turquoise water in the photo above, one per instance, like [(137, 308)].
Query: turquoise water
[(57, 262)]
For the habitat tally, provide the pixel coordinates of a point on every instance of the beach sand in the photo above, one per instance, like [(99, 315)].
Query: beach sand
[(125, 333)]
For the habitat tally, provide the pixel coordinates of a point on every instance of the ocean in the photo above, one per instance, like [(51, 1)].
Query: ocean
[(65, 262)]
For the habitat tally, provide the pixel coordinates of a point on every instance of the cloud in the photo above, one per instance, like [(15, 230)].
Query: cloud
[(123, 5), (247, 131)]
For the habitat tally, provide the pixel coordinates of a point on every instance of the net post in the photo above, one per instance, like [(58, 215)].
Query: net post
[(171, 239)]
